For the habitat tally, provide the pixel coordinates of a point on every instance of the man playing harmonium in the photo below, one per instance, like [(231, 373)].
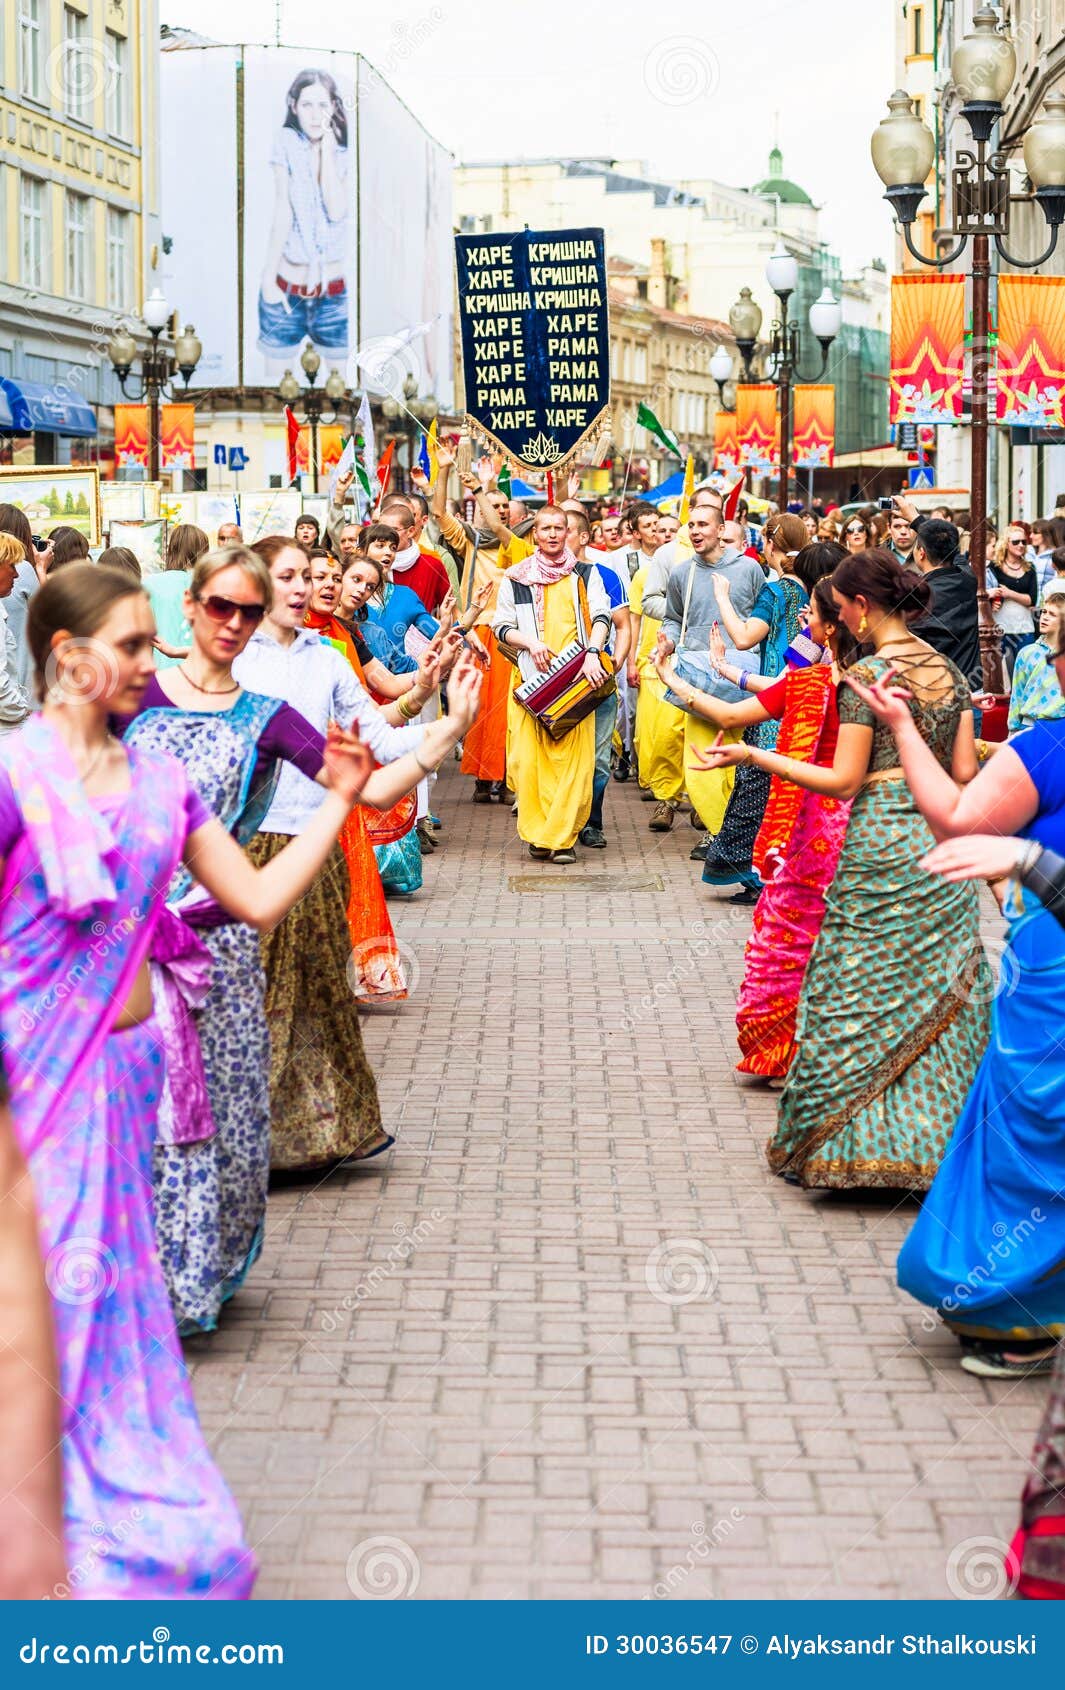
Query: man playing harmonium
[(543, 608)]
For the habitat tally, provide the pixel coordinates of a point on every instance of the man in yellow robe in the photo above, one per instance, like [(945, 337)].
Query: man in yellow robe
[(543, 606)]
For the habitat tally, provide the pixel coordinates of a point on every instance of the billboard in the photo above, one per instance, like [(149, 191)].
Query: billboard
[(405, 218), (198, 130), (299, 210)]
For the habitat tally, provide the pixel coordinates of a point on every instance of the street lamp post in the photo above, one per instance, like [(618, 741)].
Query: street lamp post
[(745, 319), (903, 150), (315, 401), (159, 363), (418, 412)]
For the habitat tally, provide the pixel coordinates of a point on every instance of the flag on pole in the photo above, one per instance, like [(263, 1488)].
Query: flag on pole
[(384, 471), (687, 490), (645, 418), (732, 500), (346, 464), (292, 438), (427, 455), (503, 478)]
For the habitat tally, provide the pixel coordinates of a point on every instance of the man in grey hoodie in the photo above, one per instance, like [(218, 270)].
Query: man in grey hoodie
[(691, 612)]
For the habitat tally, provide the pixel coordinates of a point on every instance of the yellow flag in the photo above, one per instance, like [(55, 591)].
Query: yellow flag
[(430, 444), (689, 489)]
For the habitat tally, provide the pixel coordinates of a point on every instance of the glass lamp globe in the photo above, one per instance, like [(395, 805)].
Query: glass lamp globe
[(721, 365), (826, 316), (745, 318), (984, 64), (782, 271), (156, 311), (903, 147), (1044, 145)]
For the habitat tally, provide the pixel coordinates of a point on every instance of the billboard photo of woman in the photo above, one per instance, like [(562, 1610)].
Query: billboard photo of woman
[(303, 291)]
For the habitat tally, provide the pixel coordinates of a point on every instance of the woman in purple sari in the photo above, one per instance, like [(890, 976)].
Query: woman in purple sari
[(90, 836)]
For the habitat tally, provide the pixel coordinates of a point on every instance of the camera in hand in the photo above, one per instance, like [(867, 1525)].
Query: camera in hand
[(40, 544)]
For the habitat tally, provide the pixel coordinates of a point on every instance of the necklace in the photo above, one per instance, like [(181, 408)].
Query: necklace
[(83, 774), (212, 692)]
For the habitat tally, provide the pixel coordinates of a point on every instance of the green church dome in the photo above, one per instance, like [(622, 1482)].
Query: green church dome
[(777, 184)]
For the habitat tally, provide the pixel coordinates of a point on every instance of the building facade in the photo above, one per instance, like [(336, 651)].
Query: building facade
[(79, 216)]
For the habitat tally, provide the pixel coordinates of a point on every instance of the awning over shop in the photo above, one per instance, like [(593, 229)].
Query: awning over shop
[(6, 419), (32, 406), (874, 457)]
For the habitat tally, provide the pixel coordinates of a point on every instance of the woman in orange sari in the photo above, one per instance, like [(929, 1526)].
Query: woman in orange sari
[(376, 973)]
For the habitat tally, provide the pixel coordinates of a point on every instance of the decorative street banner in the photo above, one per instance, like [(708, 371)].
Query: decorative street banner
[(927, 348), (177, 436), (131, 436), (726, 440), (1031, 351), (535, 339), (330, 446), (757, 425), (813, 439)]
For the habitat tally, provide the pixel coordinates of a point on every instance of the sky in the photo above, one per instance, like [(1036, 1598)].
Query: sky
[(693, 89)]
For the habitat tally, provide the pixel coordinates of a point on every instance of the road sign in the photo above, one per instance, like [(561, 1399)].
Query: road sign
[(906, 436), (923, 477), (238, 457), (220, 454)]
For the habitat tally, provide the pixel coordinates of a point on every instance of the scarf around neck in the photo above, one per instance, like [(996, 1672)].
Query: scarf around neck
[(406, 559)]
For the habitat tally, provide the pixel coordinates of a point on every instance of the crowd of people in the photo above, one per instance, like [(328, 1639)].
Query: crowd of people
[(210, 779)]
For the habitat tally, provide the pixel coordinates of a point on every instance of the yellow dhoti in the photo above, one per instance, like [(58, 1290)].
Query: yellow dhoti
[(659, 740), (551, 777), (708, 789)]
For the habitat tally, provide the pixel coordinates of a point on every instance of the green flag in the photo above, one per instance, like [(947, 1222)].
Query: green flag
[(645, 418), (503, 478)]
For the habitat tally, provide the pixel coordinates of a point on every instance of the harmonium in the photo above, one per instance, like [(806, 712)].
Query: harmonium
[(560, 697)]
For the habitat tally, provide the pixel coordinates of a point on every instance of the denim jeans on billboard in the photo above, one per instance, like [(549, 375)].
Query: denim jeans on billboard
[(284, 326)]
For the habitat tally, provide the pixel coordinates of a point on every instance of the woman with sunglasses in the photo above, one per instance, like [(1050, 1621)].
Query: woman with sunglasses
[(1014, 588), (324, 1103), (210, 1199), (857, 536)]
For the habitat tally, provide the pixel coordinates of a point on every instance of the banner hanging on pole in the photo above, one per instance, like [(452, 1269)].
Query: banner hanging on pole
[(726, 440), (1031, 351), (131, 436), (927, 348), (757, 425), (813, 440), (535, 340), (177, 436)]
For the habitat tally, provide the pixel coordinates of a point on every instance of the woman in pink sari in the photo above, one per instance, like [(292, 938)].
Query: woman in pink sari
[(799, 841), (90, 835)]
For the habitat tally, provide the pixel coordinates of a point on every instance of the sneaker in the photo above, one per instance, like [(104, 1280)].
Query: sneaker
[(995, 1364), (697, 854), (496, 791), (482, 792), (593, 838), (647, 796), (436, 824), (661, 818), (622, 770), (745, 895), (539, 853), (695, 818), (426, 842), (563, 856)]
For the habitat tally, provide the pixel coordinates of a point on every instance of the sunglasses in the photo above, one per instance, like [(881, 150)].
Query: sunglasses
[(858, 530), (224, 610)]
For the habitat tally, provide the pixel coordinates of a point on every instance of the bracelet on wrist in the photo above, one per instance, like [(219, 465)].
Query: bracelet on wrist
[(426, 769)]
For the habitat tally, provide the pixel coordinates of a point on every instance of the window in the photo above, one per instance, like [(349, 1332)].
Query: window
[(118, 114), (78, 213), (77, 66), (30, 47), (917, 14), (641, 365), (31, 231), (119, 260)]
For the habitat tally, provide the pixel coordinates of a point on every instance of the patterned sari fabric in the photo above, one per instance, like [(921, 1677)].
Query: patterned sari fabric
[(796, 852), (84, 1101), (323, 1098), (729, 859), (893, 1014), (211, 1197), (400, 865)]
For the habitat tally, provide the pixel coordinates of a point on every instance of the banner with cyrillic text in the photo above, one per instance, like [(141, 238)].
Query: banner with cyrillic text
[(535, 340)]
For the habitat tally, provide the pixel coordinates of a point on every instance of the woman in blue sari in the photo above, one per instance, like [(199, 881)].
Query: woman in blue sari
[(772, 624), (988, 1247)]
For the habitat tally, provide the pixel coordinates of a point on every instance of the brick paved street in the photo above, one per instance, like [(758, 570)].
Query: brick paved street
[(571, 1340)]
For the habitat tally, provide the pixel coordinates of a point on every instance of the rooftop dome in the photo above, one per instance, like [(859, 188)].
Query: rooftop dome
[(777, 184)]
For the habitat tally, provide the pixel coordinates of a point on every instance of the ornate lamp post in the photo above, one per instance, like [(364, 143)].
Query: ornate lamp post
[(418, 412), (745, 321), (721, 370), (159, 364), (903, 150), (782, 274), (315, 401)]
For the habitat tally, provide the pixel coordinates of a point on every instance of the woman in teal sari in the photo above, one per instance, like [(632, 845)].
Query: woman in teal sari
[(892, 1018)]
